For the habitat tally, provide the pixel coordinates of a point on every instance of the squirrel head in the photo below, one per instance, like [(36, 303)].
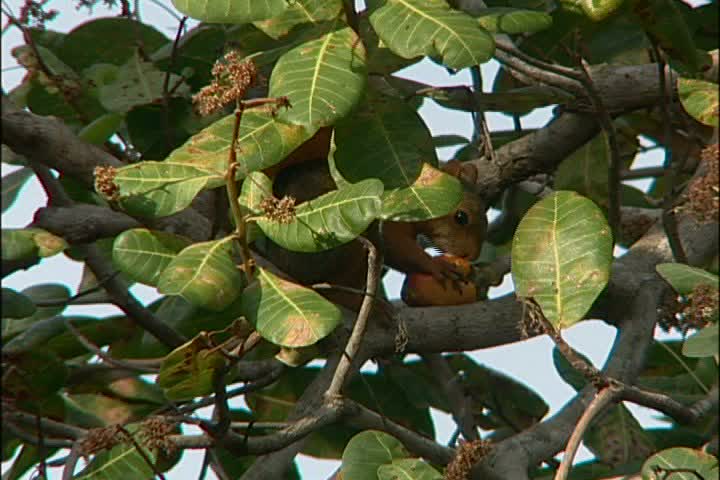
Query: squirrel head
[(462, 232)]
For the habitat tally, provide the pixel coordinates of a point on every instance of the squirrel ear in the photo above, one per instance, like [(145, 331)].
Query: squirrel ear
[(466, 172)]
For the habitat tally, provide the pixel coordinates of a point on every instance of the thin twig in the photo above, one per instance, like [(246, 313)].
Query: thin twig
[(482, 131), (353, 345), (77, 296), (602, 399), (107, 358), (166, 82), (672, 166)]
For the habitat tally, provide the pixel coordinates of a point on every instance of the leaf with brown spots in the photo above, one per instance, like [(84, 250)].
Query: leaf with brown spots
[(286, 313)]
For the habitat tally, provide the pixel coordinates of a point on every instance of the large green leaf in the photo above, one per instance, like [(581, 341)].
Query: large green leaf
[(513, 20), (300, 12), (204, 274), (396, 147), (684, 278), (138, 83), (323, 78), (42, 292), (231, 11), (108, 40), (143, 254), (694, 464), (413, 28), (367, 451), (187, 371), (15, 305), (286, 313), (263, 141), (599, 10), (25, 243), (561, 256), (158, 189), (703, 344), (11, 185), (410, 468), (330, 220), (700, 99)]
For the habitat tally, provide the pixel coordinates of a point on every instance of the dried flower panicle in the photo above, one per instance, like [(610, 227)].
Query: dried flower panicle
[(99, 439), (281, 211), (703, 200), (668, 312), (232, 77), (105, 182), (702, 304), (155, 434), (467, 455)]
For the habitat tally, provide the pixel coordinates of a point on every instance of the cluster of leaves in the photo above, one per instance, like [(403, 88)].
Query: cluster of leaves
[(119, 78)]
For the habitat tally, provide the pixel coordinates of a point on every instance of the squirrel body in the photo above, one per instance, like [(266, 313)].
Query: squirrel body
[(305, 175)]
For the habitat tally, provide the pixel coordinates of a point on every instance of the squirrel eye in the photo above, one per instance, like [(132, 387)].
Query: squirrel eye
[(461, 218)]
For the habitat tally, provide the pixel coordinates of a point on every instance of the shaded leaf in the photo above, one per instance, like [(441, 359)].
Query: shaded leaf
[(286, 313), (143, 254), (187, 372), (565, 286), (704, 464), (599, 10), (513, 20), (44, 292), (204, 274), (703, 343), (329, 220), (413, 28), (410, 468), (15, 305), (700, 99), (367, 451), (684, 278), (101, 129), (323, 79), (11, 185), (617, 438)]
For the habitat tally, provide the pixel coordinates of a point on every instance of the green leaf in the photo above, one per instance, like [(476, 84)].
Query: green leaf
[(255, 188), (598, 10), (108, 40), (143, 254), (11, 185), (329, 220), (18, 244), (263, 141), (231, 11), (187, 372), (396, 147), (617, 438), (286, 313), (407, 468), (47, 243), (513, 20), (704, 464), (158, 189), (32, 376), (700, 99), (101, 129), (137, 83), (561, 256), (703, 344), (323, 79), (204, 274), (367, 451), (684, 278), (16, 305), (413, 28), (300, 12)]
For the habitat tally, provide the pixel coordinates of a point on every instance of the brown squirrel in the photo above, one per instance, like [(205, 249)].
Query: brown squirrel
[(304, 174)]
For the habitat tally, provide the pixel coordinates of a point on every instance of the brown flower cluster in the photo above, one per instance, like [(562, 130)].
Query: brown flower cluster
[(702, 304), (232, 77), (155, 434), (281, 211), (99, 439), (467, 454), (105, 182), (703, 201)]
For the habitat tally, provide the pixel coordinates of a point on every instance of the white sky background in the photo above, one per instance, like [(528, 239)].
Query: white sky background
[(529, 361)]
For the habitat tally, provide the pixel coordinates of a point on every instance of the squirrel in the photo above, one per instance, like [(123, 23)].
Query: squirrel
[(305, 174)]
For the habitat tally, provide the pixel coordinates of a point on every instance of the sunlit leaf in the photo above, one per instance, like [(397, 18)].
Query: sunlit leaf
[(367, 451), (413, 28), (410, 468), (561, 256), (300, 12), (684, 278), (323, 79), (286, 313), (143, 254), (693, 464), (329, 220), (703, 343), (700, 99), (204, 274), (513, 20), (231, 11)]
